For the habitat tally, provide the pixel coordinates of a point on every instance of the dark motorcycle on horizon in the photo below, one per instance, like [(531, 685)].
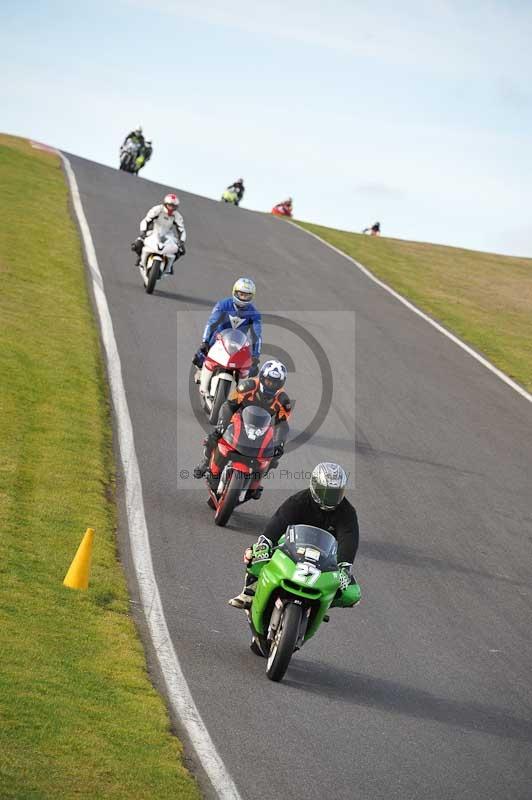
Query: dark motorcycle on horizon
[(129, 153)]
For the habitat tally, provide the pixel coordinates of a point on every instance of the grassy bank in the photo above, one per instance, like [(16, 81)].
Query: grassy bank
[(485, 299), (78, 715)]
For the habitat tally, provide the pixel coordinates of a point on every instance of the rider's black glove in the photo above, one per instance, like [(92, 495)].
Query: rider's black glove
[(213, 437), (181, 250), (137, 245), (197, 360), (254, 369)]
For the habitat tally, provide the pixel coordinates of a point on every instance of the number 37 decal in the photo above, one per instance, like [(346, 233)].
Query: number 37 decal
[(307, 573)]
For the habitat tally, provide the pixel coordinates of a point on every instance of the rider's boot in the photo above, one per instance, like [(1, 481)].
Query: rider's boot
[(137, 247), (245, 598), (209, 444), (201, 468)]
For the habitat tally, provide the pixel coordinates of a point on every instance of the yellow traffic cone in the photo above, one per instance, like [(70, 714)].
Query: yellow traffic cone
[(77, 576)]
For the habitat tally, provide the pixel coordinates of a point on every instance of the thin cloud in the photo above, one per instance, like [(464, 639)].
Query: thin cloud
[(440, 36)]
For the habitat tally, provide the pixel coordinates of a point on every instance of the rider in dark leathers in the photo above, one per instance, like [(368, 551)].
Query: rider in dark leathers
[(135, 136), (323, 505), (238, 188)]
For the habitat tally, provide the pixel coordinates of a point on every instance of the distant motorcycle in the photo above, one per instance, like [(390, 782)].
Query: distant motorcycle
[(247, 444), (230, 196), (158, 256), (282, 210), (374, 230), (295, 589), (129, 153), (227, 362)]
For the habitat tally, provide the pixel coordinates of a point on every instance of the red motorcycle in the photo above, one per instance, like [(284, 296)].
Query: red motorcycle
[(282, 210), (226, 363), (239, 461)]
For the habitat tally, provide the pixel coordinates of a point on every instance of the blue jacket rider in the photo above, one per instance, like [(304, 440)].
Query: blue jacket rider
[(237, 311)]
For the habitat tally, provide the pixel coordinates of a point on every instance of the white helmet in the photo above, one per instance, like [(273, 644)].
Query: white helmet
[(272, 378), (243, 292), (171, 203)]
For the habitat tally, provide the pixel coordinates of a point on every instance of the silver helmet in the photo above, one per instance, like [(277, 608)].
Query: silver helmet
[(327, 484)]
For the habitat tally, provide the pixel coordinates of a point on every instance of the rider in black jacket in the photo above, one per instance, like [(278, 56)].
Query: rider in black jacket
[(136, 136), (238, 188), (323, 505)]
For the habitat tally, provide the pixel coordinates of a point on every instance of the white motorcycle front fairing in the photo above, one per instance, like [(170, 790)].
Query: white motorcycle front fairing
[(157, 244), (208, 381), (223, 357), (130, 148)]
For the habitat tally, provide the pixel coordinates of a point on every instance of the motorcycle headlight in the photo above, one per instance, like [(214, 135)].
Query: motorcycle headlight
[(254, 433)]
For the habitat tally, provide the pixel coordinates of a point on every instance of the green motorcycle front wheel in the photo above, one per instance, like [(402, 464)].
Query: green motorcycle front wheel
[(282, 647)]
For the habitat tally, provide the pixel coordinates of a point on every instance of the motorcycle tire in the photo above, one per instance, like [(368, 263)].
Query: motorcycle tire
[(285, 640), (222, 393), (229, 498), (153, 275)]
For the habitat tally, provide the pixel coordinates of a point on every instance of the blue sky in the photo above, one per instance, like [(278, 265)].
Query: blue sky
[(418, 114)]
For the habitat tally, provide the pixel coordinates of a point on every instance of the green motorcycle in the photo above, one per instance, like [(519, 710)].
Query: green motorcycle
[(296, 587), (230, 196)]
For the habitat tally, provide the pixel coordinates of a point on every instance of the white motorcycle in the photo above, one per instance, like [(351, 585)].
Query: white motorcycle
[(227, 362), (158, 256)]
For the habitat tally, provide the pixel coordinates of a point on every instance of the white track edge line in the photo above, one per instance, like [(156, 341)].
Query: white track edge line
[(179, 694), (484, 361)]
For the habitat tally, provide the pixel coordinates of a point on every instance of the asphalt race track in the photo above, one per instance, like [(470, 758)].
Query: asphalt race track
[(424, 690)]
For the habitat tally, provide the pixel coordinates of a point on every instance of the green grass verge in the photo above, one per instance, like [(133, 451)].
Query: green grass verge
[(485, 299), (78, 714)]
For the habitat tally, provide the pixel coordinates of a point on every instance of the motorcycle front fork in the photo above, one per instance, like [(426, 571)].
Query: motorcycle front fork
[(276, 616), (225, 476)]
